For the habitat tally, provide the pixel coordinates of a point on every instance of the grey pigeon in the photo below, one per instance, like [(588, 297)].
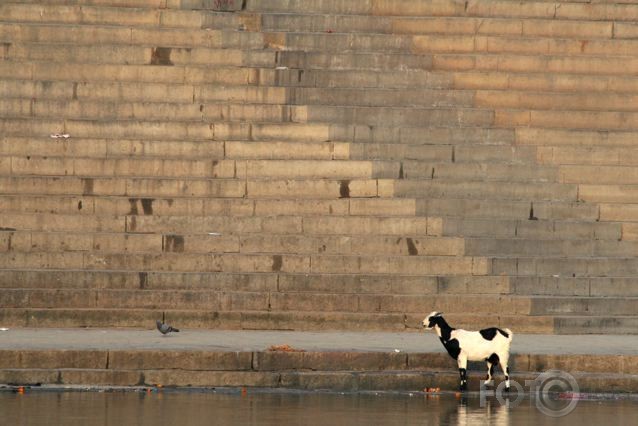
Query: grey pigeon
[(165, 328)]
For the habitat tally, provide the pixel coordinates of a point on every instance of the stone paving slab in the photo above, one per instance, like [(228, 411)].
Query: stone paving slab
[(243, 340)]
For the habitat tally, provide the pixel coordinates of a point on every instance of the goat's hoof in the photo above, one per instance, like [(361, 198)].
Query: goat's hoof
[(507, 389)]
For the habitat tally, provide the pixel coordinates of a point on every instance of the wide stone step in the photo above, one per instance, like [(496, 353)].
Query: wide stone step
[(569, 119), (163, 168), (246, 263), (31, 241), (507, 209), (573, 266), (530, 247), (555, 83), (469, 26), (146, 220), (179, 94), (42, 71), (197, 207), (605, 323), (158, 150), (479, 171), (511, 99), (482, 8), (160, 56), (579, 286), (481, 190), (186, 31), (99, 76), (499, 227), (260, 320), (255, 282), (145, 14), (587, 65), (224, 130), (279, 302), (137, 187)]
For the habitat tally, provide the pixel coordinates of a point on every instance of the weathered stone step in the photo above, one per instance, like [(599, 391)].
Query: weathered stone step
[(353, 60), (239, 131), (568, 119), (162, 168), (590, 65), (471, 171), (157, 14), (530, 247), (219, 111), (234, 73), (481, 190), (185, 31), (245, 263), (139, 187), (575, 138), (508, 209), (560, 10), (607, 323), (205, 224), (599, 174), (439, 25), (311, 225), (197, 207), (260, 320), (110, 74), (111, 3), (587, 155), (51, 242), (511, 99), (255, 282), (573, 266), (267, 361), (519, 81), (498, 227), (113, 150), (396, 116), (579, 286), (455, 44), (160, 56), (238, 103), (317, 380), (611, 193), (263, 94), (477, 160), (278, 302), (167, 112)]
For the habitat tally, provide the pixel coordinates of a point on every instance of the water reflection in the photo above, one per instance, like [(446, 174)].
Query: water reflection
[(235, 408)]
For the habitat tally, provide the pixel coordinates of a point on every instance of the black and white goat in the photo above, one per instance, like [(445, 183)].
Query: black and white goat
[(490, 344)]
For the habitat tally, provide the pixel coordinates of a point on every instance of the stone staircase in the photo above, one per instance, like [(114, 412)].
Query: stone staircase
[(319, 165)]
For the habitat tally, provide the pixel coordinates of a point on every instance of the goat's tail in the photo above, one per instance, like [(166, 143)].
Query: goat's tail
[(510, 334)]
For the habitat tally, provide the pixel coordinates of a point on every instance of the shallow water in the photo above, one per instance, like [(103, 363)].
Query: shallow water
[(294, 408)]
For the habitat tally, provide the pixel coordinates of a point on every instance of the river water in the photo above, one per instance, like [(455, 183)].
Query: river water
[(234, 407)]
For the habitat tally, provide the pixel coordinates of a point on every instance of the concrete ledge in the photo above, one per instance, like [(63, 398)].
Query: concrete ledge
[(339, 361)]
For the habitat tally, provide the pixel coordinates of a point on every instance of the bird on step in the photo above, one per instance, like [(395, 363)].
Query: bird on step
[(165, 328)]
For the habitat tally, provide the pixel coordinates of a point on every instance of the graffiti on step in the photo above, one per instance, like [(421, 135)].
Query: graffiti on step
[(223, 4)]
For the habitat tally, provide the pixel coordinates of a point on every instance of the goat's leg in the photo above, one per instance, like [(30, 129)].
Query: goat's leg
[(490, 370), (506, 371), (462, 361), (491, 362)]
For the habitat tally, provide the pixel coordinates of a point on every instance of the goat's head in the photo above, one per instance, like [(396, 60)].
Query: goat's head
[(431, 320)]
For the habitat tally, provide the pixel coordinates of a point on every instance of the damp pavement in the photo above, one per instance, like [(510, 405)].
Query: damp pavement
[(251, 340)]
